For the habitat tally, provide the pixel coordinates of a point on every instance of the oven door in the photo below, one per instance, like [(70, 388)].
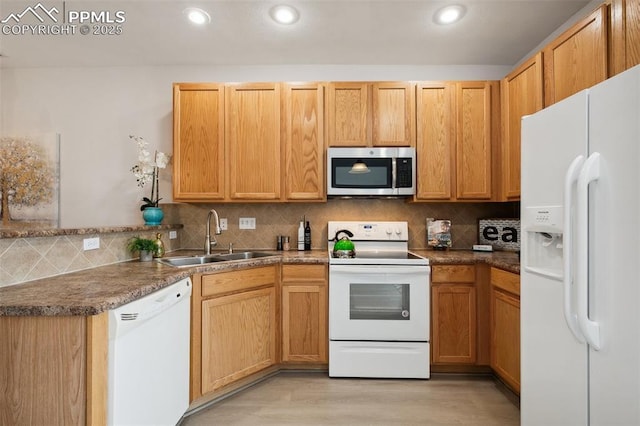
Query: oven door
[(379, 302)]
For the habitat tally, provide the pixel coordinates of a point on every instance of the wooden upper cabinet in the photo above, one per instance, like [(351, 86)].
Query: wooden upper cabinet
[(393, 114), (521, 95), (252, 130), (577, 59), (625, 35), (474, 122), (632, 32), (435, 148), (304, 143), (371, 114), (348, 114), (198, 142)]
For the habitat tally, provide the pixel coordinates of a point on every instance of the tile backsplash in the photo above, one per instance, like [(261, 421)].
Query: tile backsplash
[(283, 219), (26, 259)]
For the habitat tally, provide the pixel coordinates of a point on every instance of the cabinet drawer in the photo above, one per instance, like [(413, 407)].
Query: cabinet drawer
[(453, 274), (297, 273), (507, 281), (227, 282)]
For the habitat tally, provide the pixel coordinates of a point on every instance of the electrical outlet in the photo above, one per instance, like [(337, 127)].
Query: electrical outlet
[(247, 223), (91, 243), (223, 223), (173, 235)]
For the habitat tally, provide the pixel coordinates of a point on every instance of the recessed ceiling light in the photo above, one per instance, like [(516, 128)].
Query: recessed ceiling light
[(284, 14), (197, 16), (449, 14)]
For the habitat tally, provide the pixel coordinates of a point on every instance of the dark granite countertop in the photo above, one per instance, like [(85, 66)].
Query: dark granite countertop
[(507, 260), (53, 232), (92, 291)]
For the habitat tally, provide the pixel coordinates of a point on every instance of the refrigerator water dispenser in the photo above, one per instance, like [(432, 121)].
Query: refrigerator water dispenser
[(543, 252)]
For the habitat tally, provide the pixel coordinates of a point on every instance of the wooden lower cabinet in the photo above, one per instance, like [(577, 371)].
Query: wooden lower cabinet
[(304, 314), (233, 328), (505, 327), (453, 315), (53, 370)]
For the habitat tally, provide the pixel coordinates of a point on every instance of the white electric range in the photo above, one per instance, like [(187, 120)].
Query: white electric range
[(379, 304)]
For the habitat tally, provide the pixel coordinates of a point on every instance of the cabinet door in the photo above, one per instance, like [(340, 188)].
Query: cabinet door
[(393, 114), (505, 337), (304, 328), (253, 141), (625, 35), (43, 363), (238, 336), (454, 324), (198, 142), (632, 33), (304, 144), (473, 140), (348, 112), (435, 147), (521, 95), (577, 59), (304, 314)]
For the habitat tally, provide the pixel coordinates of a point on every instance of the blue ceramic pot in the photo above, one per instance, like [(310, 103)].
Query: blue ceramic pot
[(152, 216)]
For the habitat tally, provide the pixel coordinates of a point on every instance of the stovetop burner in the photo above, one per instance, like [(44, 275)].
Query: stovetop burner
[(401, 255), (376, 243)]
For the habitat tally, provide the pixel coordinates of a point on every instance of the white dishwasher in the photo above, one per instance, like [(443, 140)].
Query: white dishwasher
[(149, 358)]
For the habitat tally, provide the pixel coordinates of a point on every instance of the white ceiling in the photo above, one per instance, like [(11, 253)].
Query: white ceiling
[(350, 32)]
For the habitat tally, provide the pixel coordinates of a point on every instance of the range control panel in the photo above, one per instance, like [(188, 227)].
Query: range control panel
[(371, 231)]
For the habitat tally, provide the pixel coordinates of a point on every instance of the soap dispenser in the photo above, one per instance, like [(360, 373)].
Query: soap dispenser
[(159, 246)]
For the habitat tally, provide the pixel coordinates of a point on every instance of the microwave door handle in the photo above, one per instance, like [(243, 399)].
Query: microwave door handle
[(394, 172)]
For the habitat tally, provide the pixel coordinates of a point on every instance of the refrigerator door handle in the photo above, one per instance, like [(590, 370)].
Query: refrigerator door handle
[(590, 172), (570, 316)]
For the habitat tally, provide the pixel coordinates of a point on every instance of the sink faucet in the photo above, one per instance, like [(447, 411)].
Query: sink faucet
[(208, 243)]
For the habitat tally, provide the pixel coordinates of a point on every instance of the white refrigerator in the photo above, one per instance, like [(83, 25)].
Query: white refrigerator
[(580, 264)]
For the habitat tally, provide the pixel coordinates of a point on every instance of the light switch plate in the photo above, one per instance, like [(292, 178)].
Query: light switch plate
[(247, 223), (91, 243), (173, 235)]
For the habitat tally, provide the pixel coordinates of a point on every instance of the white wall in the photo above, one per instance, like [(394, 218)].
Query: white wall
[(96, 109)]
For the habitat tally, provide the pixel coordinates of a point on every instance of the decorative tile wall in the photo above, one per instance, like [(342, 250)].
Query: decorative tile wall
[(26, 259), (283, 219)]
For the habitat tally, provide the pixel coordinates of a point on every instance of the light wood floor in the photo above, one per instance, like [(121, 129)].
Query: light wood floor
[(315, 399)]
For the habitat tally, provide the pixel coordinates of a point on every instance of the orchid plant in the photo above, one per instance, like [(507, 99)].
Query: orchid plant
[(146, 170)]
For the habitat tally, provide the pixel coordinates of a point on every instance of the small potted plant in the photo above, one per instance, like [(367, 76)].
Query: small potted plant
[(145, 246)]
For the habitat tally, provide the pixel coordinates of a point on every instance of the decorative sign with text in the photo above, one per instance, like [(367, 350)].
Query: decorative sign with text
[(502, 234)]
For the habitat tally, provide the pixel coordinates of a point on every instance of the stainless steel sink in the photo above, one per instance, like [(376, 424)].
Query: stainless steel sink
[(243, 255), (187, 261)]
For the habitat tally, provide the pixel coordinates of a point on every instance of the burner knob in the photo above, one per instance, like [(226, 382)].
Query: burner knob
[(399, 232), (389, 232)]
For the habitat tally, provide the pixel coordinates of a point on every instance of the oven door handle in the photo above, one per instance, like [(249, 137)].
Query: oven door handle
[(368, 269)]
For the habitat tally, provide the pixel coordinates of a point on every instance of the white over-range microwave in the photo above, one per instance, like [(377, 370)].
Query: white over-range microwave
[(372, 171)]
